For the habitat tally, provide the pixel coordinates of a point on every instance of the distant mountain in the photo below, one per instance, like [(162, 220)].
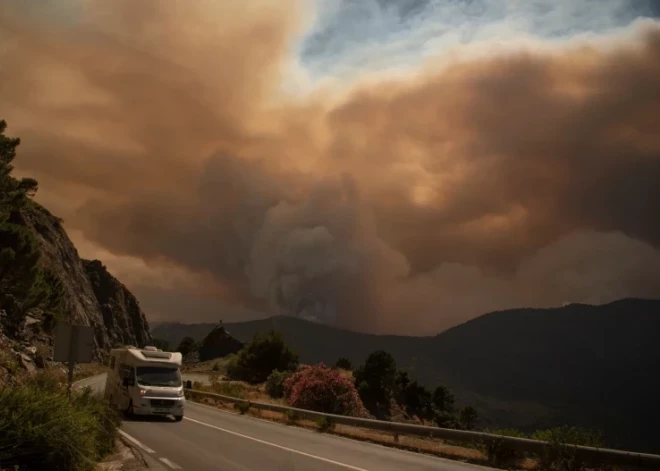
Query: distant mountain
[(174, 332), (596, 366)]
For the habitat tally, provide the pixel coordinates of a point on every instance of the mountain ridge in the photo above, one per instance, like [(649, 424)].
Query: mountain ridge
[(585, 365)]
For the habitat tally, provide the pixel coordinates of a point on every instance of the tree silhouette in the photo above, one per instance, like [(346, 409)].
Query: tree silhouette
[(468, 417), (443, 399), (186, 345), (258, 359), (375, 382)]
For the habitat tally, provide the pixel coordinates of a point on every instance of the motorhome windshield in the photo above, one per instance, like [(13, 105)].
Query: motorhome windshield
[(158, 376)]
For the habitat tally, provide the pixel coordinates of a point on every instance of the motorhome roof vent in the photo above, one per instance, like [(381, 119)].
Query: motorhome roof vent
[(150, 348), (156, 354)]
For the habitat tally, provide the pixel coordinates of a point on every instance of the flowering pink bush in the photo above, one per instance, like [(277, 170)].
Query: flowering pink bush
[(322, 389)]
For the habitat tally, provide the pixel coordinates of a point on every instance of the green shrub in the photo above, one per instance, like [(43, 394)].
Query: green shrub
[(468, 417), (401, 382), (497, 452), (560, 453), (375, 381), (9, 361), (291, 416), (242, 407), (446, 420), (443, 399), (187, 345), (102, 420), (43, 429), (53, 381), (418, 400), (258, 359), (324, 424), (275, 383)]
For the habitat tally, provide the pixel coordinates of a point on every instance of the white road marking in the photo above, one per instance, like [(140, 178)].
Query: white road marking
[(298, 452), (136, 442), (386, 448), (170, 464)]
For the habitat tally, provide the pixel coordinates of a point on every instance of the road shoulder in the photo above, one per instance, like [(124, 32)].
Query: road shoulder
[(128, 457)]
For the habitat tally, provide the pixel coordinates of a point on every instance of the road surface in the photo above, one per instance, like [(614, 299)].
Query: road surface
[(201, 377), (211, 439)]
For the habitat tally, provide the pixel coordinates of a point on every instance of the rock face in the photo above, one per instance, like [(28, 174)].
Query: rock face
[(218, 343), (93, 296), (123, 319)]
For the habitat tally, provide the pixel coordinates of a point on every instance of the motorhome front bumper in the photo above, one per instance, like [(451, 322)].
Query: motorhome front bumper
[(160, 406)]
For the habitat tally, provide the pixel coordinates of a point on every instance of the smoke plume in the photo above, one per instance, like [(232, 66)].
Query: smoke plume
[(189, 148)]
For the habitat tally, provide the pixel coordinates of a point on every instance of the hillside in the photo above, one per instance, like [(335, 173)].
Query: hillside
[(43, 280), (92, 296), (579, 364)]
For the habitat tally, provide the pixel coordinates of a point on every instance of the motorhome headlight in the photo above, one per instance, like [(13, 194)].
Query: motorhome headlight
[(143, 392), (180, 392)]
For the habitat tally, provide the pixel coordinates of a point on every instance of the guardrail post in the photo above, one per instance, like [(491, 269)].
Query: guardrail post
[(396, 437)]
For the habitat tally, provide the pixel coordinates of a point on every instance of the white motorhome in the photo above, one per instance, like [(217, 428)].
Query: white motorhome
[(145, 382)]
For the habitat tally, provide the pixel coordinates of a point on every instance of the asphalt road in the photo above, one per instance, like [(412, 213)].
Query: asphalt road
[(210, 439)]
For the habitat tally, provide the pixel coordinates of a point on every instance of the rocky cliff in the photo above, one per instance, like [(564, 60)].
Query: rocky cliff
[(92, 296), (43, 281), (123, 319)]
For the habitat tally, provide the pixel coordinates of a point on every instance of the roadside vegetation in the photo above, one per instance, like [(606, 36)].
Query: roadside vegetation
[(388, 392), (267, 370), (258, 359), (41, 428), (559, 455), (186, 346), (322, 389), (275, 383)]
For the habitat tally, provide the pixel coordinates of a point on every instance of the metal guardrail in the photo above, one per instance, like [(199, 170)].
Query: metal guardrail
[(585, 453)]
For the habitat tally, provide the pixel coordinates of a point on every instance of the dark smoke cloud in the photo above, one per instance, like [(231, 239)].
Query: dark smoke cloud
[(409, 205)]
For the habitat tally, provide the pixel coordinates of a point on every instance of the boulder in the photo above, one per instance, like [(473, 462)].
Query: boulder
[(27, 363)]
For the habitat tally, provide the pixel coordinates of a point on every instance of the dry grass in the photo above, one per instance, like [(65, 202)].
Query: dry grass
[(219, 365), (238, 389)]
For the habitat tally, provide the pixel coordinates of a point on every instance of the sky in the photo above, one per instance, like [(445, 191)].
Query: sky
[(383, 166)]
